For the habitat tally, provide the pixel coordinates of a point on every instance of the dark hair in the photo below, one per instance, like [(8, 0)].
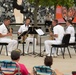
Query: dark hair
[(48, 61), (56, 21), (69, 21), (15, 54), (27, 18), (7, 18)]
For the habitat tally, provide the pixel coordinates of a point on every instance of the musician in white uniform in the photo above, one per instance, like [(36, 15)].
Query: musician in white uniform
[(58, 33), (70, 30), (30, 38), (5, 36)]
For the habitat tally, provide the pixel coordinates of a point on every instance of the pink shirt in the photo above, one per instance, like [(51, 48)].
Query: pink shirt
[(23, 69)]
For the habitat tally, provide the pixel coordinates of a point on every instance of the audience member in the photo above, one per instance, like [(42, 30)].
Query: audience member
[(58, 33), (5, 35), (15, 56), (70, 30), (48, 61)]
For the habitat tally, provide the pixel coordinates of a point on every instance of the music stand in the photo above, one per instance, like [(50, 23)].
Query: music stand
[(19, 37), (40, 33), (33, 31)]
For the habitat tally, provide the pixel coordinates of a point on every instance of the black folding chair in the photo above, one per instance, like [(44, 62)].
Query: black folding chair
[(4, 44), (64, 44), (21, 42)]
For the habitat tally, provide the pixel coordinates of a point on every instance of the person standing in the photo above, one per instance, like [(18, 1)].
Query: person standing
[(5, 36), (58, 33), (30, 38), (70, 30)]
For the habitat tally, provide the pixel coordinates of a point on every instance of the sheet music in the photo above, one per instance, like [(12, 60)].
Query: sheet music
[(39, 31)]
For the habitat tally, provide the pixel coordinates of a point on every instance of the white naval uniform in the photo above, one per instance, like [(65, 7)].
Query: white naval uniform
[(12, 44), (70, 30), (29, 39), (58, 29)]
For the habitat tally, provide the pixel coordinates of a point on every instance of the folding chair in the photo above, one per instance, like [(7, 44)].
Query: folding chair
[(64, 44), (43, 70), (9, 68), (21, 42), (73, 72), (4, 44)]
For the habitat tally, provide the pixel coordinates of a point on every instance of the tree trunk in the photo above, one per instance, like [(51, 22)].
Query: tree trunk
[(35, 17), (35, 12)]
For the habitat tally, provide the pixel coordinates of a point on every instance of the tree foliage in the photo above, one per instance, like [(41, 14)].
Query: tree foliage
[(36, 3), (67, 3)]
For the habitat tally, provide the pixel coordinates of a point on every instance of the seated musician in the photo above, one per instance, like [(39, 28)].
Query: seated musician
[(70, 30), (58, 33), (29, 39), (6, 35)]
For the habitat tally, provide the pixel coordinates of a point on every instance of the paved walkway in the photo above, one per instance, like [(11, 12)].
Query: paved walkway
[(66, 65)]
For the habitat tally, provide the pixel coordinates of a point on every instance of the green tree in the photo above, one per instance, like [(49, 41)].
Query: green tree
[(66, 3), (36, 3)]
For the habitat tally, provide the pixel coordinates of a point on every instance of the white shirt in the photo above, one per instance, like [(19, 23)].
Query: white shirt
[(23, 28), (70, 30), (58, 29), (3, 30)]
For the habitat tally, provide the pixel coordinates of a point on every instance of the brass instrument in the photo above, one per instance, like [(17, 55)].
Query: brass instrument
[(50, 31), (10, 30), (23, 36)]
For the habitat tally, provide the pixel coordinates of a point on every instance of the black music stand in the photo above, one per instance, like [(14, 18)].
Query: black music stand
[(19, 37), (32, 30), (40, 33)]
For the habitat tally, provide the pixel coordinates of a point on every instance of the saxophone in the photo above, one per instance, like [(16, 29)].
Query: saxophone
[(50, 31), (24, 37), (10, 30)]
